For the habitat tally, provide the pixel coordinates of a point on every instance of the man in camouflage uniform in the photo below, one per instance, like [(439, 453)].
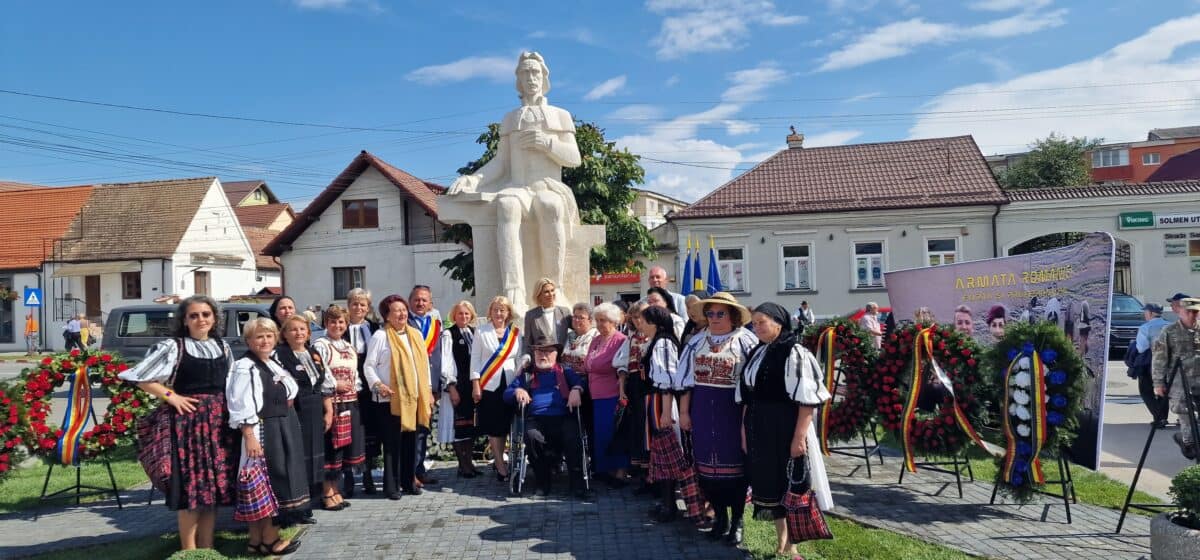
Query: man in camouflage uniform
[(1179, 342)]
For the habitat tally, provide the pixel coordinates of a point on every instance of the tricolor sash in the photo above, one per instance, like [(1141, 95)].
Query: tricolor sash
[(79, 407), (922, 350), (1037, 421), (825, 354), (495, 364), (431, 331)]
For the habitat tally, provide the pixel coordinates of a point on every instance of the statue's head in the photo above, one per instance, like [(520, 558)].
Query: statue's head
[(533, 76)]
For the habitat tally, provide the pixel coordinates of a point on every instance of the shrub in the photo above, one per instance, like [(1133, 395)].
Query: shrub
[(1185, 490)]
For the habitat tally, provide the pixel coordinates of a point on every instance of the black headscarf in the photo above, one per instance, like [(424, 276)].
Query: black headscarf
[(776, 312), (666, 297)]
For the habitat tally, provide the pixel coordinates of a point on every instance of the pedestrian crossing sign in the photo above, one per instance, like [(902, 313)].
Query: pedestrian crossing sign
[(33, 297)]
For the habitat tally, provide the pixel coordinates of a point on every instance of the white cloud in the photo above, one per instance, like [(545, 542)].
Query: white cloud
[(580, 35), (321, 4), (692, 26), (606, 88), (863, 97), (639, 112), (902, 37), (494, 68), (1116, 113), (1006, 5), (738, 128), (672, 81), (748, 85)]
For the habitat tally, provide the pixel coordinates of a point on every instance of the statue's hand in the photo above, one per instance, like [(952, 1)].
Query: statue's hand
[(535, 140), (464, 184)]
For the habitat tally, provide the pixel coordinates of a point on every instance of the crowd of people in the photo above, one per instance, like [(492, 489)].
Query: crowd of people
[(711, 402)]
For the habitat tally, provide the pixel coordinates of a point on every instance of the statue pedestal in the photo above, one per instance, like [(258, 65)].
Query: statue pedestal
[(477, 210)]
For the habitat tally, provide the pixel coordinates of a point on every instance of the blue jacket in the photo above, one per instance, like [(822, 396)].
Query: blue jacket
[(548, 399)]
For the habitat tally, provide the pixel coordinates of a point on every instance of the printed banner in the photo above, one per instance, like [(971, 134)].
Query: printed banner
[(1070, 286)]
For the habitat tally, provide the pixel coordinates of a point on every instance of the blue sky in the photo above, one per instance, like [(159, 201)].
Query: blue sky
[(703, 89)]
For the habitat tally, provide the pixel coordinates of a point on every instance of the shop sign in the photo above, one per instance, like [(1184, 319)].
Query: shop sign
[(1177, 220), (1136, 220), (616, 278), (1151, 220)]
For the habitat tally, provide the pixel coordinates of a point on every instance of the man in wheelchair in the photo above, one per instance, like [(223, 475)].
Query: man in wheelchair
[(550, 395)]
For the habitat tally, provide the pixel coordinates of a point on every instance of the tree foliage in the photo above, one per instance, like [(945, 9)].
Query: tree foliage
[(603, 191), (1055, 161)]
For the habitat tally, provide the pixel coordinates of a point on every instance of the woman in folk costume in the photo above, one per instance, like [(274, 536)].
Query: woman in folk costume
[(635, 389), (397, 370), (359, 329), (668, 463), (261, 394), (314, 403), (494, 362), (344, 441), (780, 389), (714, 358), (187, 374), (456, 344)]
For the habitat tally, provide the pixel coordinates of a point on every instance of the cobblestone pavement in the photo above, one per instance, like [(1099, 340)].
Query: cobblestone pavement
[(927, 506)]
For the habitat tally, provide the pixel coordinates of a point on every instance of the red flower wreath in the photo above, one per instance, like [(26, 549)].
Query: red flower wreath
[(118, 426), (11, 452), (931, 433), (856, 361)]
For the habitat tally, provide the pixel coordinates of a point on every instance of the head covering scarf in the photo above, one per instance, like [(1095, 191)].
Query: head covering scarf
[(775, 312)]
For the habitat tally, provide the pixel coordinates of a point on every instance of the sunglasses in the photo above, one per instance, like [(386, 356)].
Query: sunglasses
[(200, 314), (714, 314)]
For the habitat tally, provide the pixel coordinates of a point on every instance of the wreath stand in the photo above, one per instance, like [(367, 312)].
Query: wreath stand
[(1193, 417), (79, 488), (1065, 482), (862, 450), (955, 466)]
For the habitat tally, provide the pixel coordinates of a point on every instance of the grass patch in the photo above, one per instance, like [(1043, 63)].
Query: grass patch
[(22, 490), (229, 544), (1091, 487), (851, 541)]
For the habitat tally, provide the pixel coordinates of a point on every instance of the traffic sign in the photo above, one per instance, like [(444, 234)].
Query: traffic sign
[(33, 297)]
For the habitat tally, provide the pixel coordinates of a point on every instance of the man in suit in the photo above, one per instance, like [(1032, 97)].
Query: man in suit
[(358, 334), (423, 317), (657, 278), (546, 319)]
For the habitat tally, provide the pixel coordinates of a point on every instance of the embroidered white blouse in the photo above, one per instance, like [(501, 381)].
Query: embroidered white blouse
[(162, 359), (720, 368), (802, 376), (664, 372), (243, 390), (325, 348)]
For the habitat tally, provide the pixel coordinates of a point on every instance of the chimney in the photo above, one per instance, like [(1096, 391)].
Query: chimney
[(795, 140)]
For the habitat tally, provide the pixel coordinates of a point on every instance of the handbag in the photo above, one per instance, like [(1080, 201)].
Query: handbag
[(256, 499), (154, 446), (341, 429), (805, 521)]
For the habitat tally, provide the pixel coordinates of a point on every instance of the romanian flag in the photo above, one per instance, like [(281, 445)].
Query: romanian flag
[(431, 331), (79, 407), (495, 364)]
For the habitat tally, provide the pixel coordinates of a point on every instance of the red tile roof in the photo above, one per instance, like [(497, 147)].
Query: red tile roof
[(34, 219), (423, 192), (934, 172), (261, 215), (259, 238), (1103, 191)]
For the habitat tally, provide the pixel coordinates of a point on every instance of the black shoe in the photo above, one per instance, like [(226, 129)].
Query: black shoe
[(719, 528), (306, 521), (1188, 449), (269, 549), (1159, 424), (394, 496), (734, 536), (368, 482)]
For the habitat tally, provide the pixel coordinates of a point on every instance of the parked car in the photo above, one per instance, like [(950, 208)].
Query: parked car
[(133, 329), (1126, 318)]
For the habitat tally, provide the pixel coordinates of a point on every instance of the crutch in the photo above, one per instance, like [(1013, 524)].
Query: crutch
[(587, 480), (517, 436)]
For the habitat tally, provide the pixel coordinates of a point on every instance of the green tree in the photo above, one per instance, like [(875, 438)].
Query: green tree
[(603, 190), (1054, 161)]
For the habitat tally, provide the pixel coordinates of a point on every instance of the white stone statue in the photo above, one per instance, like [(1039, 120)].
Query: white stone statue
[(533, 210)]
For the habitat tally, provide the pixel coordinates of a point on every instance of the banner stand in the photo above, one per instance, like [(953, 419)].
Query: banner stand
[(862, 451), (1193, 417), (1065, 481), (957, 465), (79, 488)]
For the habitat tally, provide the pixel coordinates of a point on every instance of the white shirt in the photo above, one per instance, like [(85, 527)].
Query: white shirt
[(244, 391), (360, 334), (162, 359), (664, 371), (378, 365), (487, 340), (802, 376)]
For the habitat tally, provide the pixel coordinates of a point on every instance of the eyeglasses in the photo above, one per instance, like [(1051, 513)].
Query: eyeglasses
[(714, 314), (199, 314)]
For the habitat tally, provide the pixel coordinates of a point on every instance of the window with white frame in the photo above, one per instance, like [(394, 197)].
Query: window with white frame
[(941, 251), (1151, 158), (796, 266), (1110, 158), (731, 263), (346, 279), (868, 264)]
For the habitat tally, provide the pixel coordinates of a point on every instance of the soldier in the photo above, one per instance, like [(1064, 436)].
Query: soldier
[(1178, 344)]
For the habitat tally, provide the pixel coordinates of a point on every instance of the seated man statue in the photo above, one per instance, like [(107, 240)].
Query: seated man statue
[(550, 394)]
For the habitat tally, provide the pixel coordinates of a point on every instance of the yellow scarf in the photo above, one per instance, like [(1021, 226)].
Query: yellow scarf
[(410, 400)]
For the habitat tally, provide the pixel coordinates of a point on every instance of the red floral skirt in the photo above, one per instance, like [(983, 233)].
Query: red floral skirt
[(205, 456)]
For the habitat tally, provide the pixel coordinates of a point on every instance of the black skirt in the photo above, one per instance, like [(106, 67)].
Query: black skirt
[(464, 414), (349, 457), (494, 416), (639, 433), (769, 430), (284, 449), (310, 409)]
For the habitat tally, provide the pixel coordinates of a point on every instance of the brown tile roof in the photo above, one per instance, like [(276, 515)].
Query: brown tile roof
[(423, 192), (37, 217), (1170, 133), (1102, 191), (910, 174), (261, 215), (6, 186), (237, 191), (259, 238), (143, 220)]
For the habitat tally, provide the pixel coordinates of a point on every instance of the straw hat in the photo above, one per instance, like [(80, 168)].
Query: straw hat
[(727, 299)]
